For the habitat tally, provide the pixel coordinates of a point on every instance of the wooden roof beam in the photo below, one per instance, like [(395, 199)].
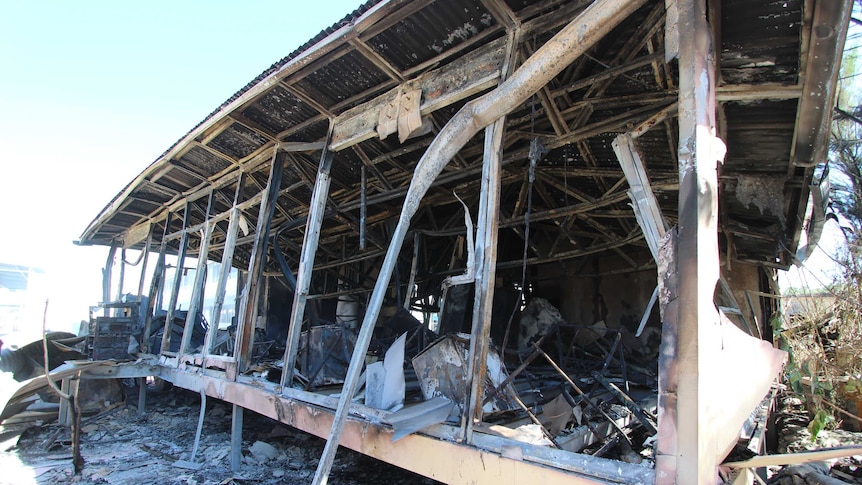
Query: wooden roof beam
[(301, 126), (609, 73), (590, 159), (476, 71), (757, 92), (502, 13), (254, 126), (374, 170), (630, 49)]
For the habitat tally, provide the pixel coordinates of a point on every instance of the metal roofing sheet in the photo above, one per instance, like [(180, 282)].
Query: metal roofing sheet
[(279, 110), (430, 31)]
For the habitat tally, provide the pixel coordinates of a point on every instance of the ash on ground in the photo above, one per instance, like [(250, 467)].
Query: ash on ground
[(119, 447)]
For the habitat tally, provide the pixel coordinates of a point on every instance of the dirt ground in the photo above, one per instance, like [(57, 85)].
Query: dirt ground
[(120, 448)]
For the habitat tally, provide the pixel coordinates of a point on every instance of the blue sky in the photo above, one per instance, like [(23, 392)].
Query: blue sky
[(91, 92)]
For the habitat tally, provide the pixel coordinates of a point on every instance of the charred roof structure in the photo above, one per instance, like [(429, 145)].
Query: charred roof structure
[(572, 211)]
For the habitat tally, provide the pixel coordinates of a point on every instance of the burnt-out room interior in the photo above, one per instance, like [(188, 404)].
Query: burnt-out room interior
[(532, 235)]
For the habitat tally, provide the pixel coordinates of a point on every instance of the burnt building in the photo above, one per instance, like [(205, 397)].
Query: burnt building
[(573, 212)]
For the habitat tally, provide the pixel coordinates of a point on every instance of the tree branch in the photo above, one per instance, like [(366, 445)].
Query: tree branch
[(845, 114)]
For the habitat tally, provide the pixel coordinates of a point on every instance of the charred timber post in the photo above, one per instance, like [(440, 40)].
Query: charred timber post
[(224, 274), (248, 303), (200, 278), (155, 285), (414, 268), (571, 42), (485, 271), (316, 209), (363, 207), (122, 277), (178, 277), (686, 442), (486, 256), (145, 258), (236, 437), (106, 275)]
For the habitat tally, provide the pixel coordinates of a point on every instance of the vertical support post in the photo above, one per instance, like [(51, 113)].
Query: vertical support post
[(63, 416), (200, 424), (178, 278), (142, 381), (155, 285), (414, 267), (486, 267), (122, 274), (142, 396), (226, 266), (200, 281), (263, 303), (363, 206), (686, 449), (241, 276), (106, 275), (248, 302), (316, 208), (486, 259), (236, 438), (146, 258)]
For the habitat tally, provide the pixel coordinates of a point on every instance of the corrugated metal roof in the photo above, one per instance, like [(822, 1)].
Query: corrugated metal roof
[(760, 47)]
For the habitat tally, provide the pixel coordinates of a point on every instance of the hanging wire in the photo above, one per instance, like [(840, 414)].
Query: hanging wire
[(537, 150)]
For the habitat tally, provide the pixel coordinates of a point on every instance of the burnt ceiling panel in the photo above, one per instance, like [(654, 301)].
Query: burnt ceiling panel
[(124, 220), (655, 150), (342, 79), (238, 141), (760, 41), (167, 183), (141, 207), (179, 180), (279, 110), (150, 192), (431, 31), (203, 162), (759, 136), (314, 132), (346, 169)]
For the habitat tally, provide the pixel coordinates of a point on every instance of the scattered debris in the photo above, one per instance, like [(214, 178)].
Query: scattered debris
[(384, 387), (29, 361), (263, 451), (442, 369), (124, 449), (414, 418)]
